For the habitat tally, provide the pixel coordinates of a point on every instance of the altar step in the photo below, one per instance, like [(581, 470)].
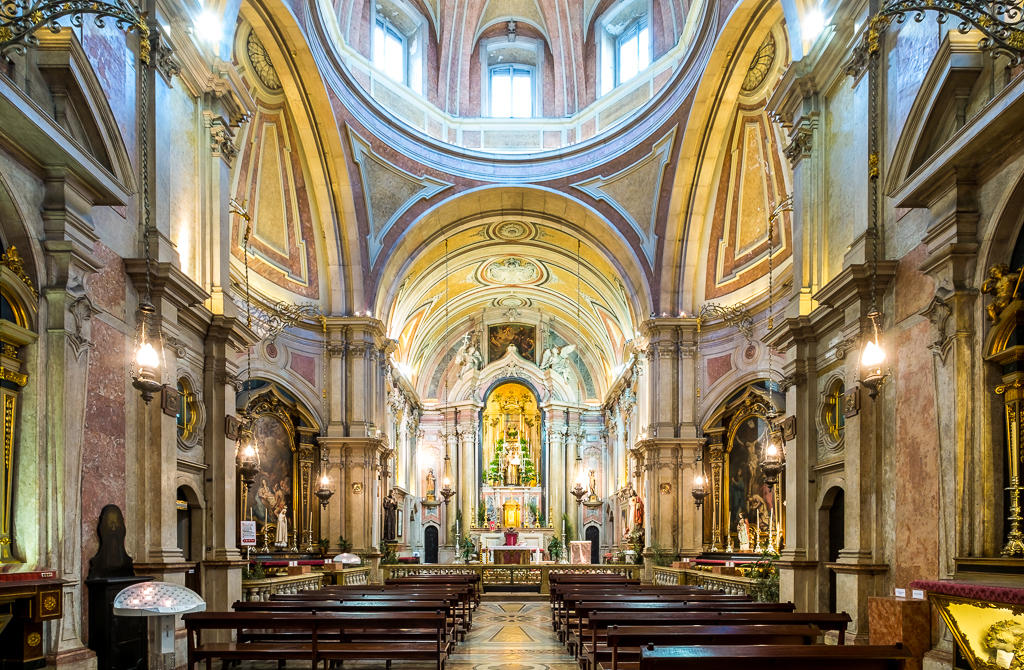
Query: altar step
[(517, 596)]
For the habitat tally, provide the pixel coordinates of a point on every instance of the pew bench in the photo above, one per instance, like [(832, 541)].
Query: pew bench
[(773, 657), (332, 636), (621, 650)]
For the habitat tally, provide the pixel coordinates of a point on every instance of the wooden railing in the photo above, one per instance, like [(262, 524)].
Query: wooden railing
[(497, 576), (732, 584)]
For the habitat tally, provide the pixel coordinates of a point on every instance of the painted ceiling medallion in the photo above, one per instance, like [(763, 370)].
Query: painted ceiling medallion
[(512, 270), (760, 66), (260, 61), (511, 231)]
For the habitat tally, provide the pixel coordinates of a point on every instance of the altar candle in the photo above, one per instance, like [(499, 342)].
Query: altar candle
[(759, 520)]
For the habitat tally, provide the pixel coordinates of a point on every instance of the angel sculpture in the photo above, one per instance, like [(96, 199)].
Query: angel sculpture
[(468, 357), (1002, 284), (557, 358)]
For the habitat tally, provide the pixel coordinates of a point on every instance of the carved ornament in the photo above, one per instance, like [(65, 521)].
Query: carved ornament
[(12, 260)]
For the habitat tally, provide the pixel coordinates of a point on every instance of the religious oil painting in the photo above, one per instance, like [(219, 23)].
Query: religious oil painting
[(521, 335), (272, 491), (749, 494)]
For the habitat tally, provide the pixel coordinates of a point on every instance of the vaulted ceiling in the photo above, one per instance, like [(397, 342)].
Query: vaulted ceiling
[(354, 208)]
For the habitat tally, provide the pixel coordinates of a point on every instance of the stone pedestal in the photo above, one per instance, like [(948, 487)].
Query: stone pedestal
[(901, 621)]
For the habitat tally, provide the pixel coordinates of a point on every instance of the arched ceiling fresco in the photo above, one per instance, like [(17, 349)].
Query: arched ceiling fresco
[(669, 205)]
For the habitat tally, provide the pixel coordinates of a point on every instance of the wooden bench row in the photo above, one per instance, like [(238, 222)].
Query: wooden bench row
[(318, 638)]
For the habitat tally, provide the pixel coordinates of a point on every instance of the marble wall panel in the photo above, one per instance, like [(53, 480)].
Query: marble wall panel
[(915, 460), (846, 172)]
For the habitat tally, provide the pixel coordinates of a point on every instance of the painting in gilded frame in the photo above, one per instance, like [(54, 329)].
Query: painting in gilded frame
[(272, 491), (501, 335), (748, 492)]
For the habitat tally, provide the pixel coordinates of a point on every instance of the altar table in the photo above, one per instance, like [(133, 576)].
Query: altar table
[(511, 555), (579, 551)]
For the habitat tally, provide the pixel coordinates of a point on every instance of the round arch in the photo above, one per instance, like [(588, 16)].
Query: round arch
[(556, 208)]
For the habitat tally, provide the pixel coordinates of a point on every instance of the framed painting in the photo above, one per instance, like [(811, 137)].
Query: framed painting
[(500, 336)]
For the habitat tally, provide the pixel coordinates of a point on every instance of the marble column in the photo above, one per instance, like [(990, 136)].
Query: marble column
[(222, 565), (68, 342), (799, 560)]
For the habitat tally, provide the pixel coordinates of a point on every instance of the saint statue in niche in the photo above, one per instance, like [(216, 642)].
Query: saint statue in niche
[(593, 484), (513, 459), (743, 533), (281, 539), (431, 485), (390, 530)]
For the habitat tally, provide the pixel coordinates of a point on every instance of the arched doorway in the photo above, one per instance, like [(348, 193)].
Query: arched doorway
[(430, 544), (593, 533), (833, 511)]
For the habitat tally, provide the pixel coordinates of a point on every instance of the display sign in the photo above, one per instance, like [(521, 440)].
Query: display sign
[(248, 533)]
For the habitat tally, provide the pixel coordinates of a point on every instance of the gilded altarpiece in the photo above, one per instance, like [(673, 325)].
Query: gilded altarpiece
[(17, 309), (511, 430), (287, 456), (741, 498)]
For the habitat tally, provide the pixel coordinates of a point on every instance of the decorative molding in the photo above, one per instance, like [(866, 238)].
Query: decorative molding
[(388, 191), (82, 311), (800, 144), (164, 59), (938, 311), (635, 190), (222, 140), (12, 260)]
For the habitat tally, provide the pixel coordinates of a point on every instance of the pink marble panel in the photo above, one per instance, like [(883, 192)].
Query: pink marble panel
[(915, 460)]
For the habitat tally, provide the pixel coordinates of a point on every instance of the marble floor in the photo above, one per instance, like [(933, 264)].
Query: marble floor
[(510, 635), (506, 635)]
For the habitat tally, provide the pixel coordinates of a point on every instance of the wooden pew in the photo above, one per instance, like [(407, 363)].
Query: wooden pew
[(575, 611), (599, 622), (335, 636), (611, 592), (452, 630), (458, 599), (584, 610), (472, 579), (623, 644), (772, 657)]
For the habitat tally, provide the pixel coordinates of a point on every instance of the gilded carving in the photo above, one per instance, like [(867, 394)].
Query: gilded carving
[(1002, 285), (12, 260)]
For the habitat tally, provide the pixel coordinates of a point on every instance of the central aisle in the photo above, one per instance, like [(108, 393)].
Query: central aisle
[(511, 635)]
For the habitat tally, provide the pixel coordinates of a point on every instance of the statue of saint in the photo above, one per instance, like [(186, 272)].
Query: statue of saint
[(593, 484), (468, 357), (431, 485), (281, 539), (743, 533), (512, 461), (390, 530)]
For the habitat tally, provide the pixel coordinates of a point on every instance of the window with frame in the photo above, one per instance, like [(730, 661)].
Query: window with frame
[(632, 51), (398, 32), (625, 43), (389, 49), (510, 73), (187, 413), (511, 88)]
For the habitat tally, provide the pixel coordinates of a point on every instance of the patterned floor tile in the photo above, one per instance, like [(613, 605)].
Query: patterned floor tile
[(506, 635)]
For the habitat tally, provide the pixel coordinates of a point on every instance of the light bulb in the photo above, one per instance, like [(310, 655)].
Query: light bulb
[(447, 481), (146, 357), (248, 451), (324, 481), (698, 481), (771, 450), (873, 355)]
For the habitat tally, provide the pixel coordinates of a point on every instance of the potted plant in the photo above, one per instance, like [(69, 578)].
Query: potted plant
[(555, 549), (344, 545), (465, 548), (324, 545)]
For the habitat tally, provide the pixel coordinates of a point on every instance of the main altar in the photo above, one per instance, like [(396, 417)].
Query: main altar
[(512, 495)]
